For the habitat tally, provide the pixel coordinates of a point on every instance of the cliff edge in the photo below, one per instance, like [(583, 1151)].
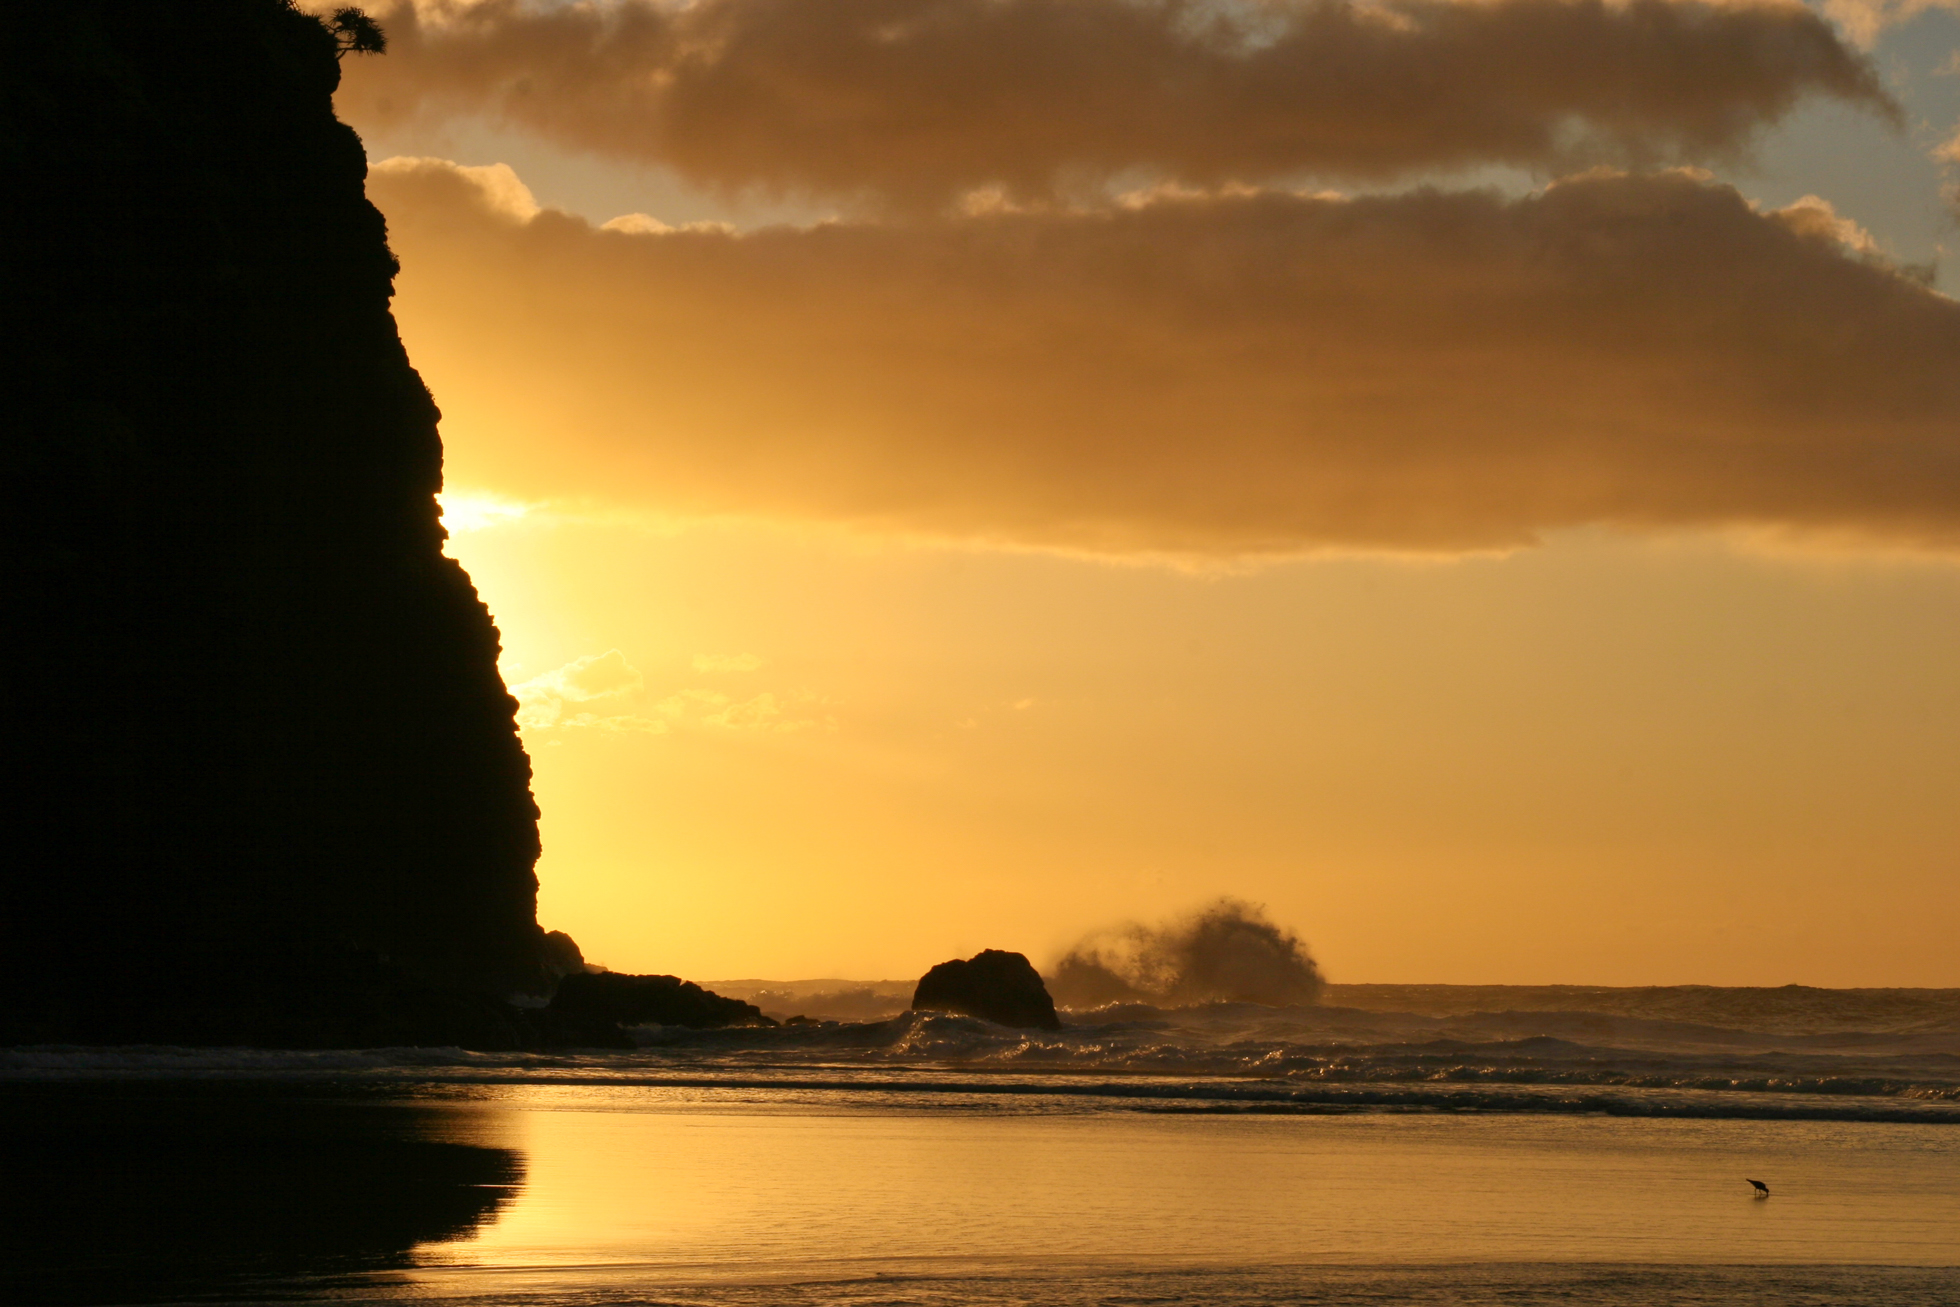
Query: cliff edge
[(253, 714)]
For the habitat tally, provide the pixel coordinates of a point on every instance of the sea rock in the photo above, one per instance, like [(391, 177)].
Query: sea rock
[(561, 955), (993, 985), (610, 996)]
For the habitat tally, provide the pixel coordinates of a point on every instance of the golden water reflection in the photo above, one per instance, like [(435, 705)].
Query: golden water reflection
[(678, 1184)]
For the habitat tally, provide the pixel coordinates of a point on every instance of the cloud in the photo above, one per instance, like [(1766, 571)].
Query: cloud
[(462, 511), (721, 662), (1947, 154), (561, 698), (615, 722), (543, 700), (920, 101), (1863, 20), (1204, 374), (764, 712), (1813, 216)]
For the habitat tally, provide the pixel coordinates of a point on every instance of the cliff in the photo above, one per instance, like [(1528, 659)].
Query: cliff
[(253, 713)]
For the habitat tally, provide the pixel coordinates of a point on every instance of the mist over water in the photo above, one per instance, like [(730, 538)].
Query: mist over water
[(1227, 951)]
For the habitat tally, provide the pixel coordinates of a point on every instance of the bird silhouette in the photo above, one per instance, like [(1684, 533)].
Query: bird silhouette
[(1762, 1190)]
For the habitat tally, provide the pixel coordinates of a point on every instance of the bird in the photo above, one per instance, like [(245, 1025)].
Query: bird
[(1762, 1190)]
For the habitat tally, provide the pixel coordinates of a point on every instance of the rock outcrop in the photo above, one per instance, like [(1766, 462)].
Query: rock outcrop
[(253, 709), (993, 985), (599, 999)]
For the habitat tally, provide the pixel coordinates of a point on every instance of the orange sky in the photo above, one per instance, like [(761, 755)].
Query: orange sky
[(1604, 760), (1505, 524)]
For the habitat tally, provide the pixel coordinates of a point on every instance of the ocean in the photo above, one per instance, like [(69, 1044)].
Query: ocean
[(1218, 1154)]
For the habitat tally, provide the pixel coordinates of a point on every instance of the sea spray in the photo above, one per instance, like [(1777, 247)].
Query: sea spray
[(1228, 951)]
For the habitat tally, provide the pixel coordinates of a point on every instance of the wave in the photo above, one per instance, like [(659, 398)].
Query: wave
[(1780, 1010), (1221, 1058)]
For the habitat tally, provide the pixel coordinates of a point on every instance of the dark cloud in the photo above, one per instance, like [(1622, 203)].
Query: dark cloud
[(923, 100), (1208, 374)]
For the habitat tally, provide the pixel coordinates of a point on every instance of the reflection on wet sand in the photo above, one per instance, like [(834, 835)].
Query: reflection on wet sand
[(140, 1192), (595, 1191)]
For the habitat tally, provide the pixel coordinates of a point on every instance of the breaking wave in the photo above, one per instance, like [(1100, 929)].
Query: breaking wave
[(1211, 1058), (1227, 951)]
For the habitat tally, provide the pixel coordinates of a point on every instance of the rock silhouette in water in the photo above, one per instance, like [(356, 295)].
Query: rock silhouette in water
[(993, 985), (602, 999), (561, 955), (254, 710)]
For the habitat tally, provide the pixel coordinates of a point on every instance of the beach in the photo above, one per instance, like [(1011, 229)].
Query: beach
[(940, 1159)]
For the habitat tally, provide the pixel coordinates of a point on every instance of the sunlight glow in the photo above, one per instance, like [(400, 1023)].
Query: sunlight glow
[(471, 510)]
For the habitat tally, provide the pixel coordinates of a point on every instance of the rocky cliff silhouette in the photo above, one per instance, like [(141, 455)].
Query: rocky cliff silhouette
[(255, 726)]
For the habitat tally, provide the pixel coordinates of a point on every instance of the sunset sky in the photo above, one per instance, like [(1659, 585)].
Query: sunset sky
[(1481, 478)]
